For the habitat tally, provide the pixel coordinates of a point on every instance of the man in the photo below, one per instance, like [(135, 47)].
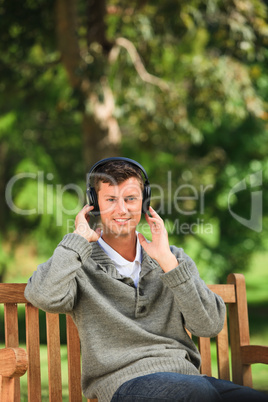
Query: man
[(131, 299)]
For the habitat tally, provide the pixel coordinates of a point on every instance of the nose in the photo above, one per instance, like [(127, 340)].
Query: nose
[(121, 206)]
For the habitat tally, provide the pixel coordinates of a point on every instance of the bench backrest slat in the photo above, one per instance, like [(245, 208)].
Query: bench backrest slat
[(74, 361), (12, 336), (223, 353), (204, 349), (33, 350), (54, 357), (239, 331)]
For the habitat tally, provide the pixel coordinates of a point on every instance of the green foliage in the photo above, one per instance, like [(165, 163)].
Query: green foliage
[(206, 131), (40, 138)]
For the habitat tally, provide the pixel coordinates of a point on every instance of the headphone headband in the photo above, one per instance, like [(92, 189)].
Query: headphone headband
[(131, 161), (91, 192)]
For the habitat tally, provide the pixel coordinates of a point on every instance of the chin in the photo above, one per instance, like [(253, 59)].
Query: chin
[(121, 231)]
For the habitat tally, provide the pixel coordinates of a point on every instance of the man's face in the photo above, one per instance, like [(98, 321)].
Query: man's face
[(120, 207)]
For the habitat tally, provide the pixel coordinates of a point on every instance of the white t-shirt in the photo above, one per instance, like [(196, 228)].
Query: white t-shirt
[(130, 269)]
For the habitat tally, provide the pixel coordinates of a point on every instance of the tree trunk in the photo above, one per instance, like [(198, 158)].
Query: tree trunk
[(100, 131), (96, 142)]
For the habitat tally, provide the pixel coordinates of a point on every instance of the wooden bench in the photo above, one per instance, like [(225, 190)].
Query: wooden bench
[(15, 361)]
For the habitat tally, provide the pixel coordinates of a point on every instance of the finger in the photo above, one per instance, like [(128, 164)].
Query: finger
[(83, 214), (147, 217), (86, 211), (143, 241), (154, 213), (88, 207), (154, 222)]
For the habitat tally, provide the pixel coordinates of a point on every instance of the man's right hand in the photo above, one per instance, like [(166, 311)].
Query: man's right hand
[(82, 225)]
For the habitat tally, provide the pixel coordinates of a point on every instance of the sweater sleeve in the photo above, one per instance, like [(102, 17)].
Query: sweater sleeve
[(53, 286), (203, 311)]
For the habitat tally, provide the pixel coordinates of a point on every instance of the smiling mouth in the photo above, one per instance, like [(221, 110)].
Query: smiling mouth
[(121, 220)]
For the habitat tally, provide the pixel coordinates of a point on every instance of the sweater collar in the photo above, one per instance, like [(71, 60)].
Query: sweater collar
[(108, 266)]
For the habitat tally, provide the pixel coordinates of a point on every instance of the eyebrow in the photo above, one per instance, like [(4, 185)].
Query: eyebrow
[(126, 196)]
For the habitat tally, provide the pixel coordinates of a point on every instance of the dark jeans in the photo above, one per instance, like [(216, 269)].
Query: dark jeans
[(177, 387)]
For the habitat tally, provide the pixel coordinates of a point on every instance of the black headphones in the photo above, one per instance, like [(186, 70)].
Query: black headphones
[(91, 192)]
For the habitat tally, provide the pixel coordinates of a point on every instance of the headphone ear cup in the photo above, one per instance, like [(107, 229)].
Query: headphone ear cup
[(146, 198), (93, 200)]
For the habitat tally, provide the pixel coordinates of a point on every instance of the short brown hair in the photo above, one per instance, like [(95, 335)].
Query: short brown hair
[(116, 172)]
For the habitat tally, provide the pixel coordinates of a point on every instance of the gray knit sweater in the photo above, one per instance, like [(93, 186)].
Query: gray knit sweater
[(126, 332)]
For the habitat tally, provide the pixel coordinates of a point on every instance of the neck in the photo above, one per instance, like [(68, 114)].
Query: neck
[(124, 245)]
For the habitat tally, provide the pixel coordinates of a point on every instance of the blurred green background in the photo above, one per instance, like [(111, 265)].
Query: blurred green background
[(179, 86)]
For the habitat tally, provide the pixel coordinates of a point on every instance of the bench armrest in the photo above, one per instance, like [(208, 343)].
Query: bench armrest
[(13, 362), (251, 354)]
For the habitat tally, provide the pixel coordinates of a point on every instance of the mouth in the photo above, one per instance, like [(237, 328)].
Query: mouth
[(121, 221)]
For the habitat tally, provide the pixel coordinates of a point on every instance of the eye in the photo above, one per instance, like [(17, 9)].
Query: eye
[(131, 199)]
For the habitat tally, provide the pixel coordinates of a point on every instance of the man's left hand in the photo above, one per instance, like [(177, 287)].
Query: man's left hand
[(158, 248)]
